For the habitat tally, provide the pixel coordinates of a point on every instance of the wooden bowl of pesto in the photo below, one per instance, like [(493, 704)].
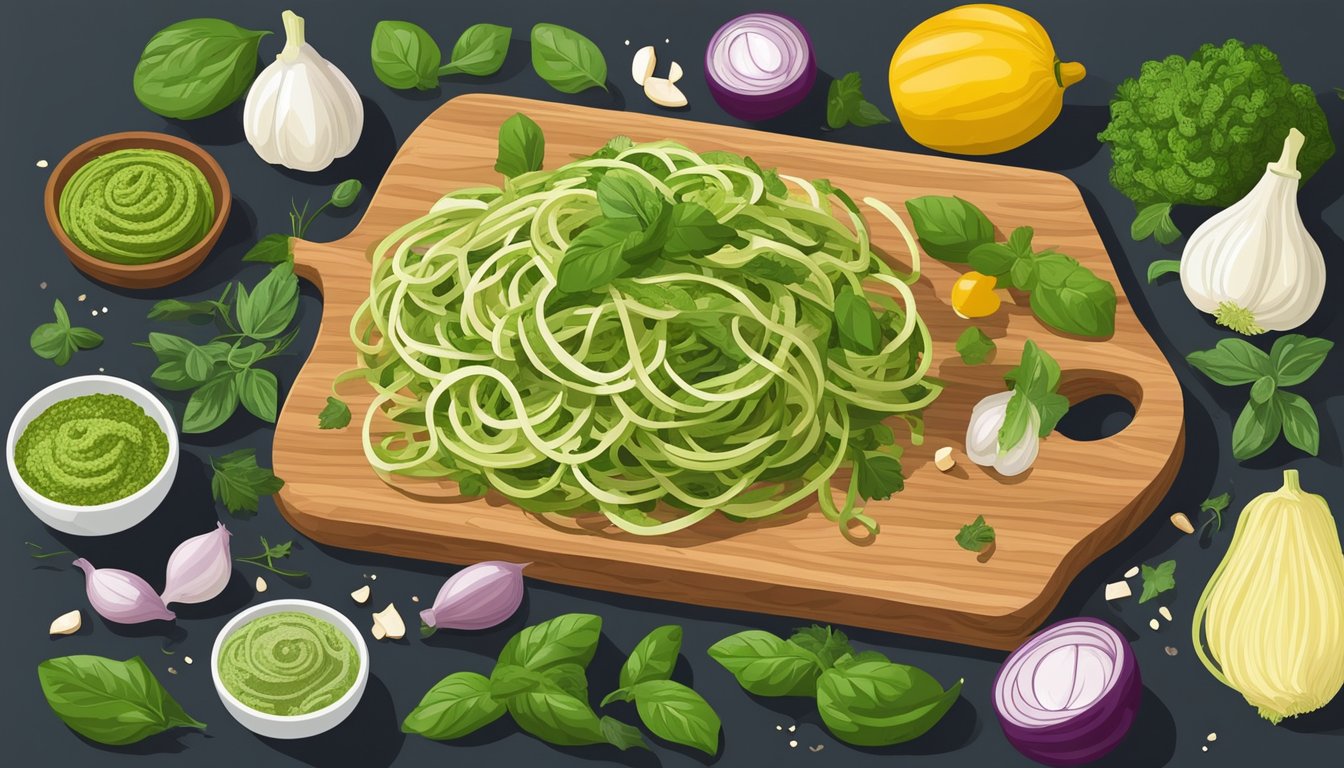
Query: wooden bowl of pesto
[(137, 209)]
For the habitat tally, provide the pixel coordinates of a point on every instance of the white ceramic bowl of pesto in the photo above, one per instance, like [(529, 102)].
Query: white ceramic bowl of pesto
[(292, 726), (97, 519)]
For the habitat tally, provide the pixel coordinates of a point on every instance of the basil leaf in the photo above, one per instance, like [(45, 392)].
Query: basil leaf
[(694, 231), (570, 637), (827, 643), (868, 114), (194, 312), (1155, 220), (1262, 389), (196, 67), (974, 346), (345, 193), (1050, 409), (49, 340), (678, 714), (211, 405), (1256, 429), (567, 60), (880, 475), (767, 665), (596, 256), (239, 483), (949, 228), (856, 323), (1022, 274), (1037, 373), (480, 51), (62, 317), (268, 310), (654, 657), (878, 703), (1163, 267), (521, 146), (845, 104), (85, 338), (108, 701), (198, 364), (993, 259), (1294, 358), (1232, 362), (1157, 580), (335, 415), (557, 718), (259, 391), (623, 194), (975, 536), (826, 188), (622, 736), (457, 705), (1016, 421), (271, 249), (1082, 304), (173, 377), (1299, 422), (58, 341), (1020, 241), (404, 55), (770, 176), (776, 268)]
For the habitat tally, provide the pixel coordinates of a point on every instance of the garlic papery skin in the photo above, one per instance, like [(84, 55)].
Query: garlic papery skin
[(982, 437), (199, 568), (1254, 266), (302, 112), (121, 596)]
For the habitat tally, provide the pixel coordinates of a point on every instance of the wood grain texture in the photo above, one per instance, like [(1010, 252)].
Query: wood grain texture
[(1080, 498)]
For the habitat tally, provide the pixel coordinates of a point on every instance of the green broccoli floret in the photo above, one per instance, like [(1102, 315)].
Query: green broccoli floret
[(1200, 132)]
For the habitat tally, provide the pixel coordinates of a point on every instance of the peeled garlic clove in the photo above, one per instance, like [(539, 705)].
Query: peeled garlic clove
[(479, 596), (361, 595), (674, 73), (121, 596), (378, 632), (261, 584), (641, 67), (199, 568), (982, 433), (663, 93), (66, 624), (942, 459), (390, 622)]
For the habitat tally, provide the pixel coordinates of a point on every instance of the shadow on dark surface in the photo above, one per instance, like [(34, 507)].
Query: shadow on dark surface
[(516, 60), (1151, 740), (958, 728), (1096, 418), (223, 128), (808, 118), (612, 98), (169, 742), (370, 736), (366, 162), (1069, 142), (1328, 720)]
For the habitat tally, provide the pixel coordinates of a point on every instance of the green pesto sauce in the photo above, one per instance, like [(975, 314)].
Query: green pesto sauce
[(91, 450), (137, 206), (288, 663)]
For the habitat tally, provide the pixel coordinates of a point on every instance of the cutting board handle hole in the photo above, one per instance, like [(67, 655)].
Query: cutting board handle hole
[(1101, 404)]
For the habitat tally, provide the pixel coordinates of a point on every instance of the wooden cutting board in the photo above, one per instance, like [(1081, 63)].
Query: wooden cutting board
[(1080, 498)]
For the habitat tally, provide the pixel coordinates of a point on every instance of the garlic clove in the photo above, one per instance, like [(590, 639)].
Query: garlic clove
[(1118, 590), (121, 596), (199, 568), (663, 93), (378, 632), (982, 433), (66, 624), (361, 595), (641, 67), (261, 584), (674, 73), (390, 623)]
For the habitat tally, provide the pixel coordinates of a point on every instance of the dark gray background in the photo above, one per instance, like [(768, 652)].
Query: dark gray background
[(67, 77)]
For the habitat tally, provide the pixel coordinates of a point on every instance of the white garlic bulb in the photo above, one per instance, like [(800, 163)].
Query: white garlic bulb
[(302, 112), (1254, 266), (982, 437)]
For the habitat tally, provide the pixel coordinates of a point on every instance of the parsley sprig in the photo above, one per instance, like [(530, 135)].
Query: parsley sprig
[(268, 557)]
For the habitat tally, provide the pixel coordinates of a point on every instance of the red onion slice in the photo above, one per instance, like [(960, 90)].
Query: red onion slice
[(760, 65)]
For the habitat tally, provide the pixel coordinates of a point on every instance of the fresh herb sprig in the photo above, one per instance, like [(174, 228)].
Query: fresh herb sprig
[(36, 551), (845, 104), (668, 708), (239, 483), (276, 248), (1035, 385), (1214, 506), (226, 371), (863, 698), (1063, 293), (1271, 409), (58, 341), (1157, 580), (405, 56), (974, 346), (269, 555), (334, 415), (976, 535)]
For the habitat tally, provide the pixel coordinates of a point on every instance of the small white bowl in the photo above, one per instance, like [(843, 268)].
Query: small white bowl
[(99, 519), (292, 726)]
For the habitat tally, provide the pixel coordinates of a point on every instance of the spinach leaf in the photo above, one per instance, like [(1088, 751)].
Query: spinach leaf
[(58, 341), (1163, 267), (239, 483), (457, 705), (856, 322), (1232, 362), (268, 310), (949, 228), (878, 703), (259, 392), (845, 104), (334, 415), (108, 701), (880, 475), (1157, 580), (678, 714), (570, 637), (974, 346), (522, 146), (196, 67), (654, 657), (1294, 358), (975, 536), (479, 51), (557, 718), (566, 59), (1155, 220), (404, 55), (767, 665)]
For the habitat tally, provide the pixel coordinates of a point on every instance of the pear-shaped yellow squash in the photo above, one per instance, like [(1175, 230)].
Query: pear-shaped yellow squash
[(978, 79)]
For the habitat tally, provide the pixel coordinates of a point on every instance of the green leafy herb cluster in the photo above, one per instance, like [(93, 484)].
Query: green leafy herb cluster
[(1035, 386), (238, 483), (1064, 294), (540, 680), (226, 371), (1157, 580), (1271, 409), (405, 56), (269, 554), (974, 346), (276, 248), (196, 67), (863, 698), (334, 415), (108, 701), (1214, 506), (976, 536), (58, 341), (845, 104)]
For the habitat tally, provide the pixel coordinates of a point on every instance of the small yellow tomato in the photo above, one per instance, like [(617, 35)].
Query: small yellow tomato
[(973, 295)]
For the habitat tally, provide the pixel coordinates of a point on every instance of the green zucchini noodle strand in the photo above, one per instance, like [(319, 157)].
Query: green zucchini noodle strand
[(692, 383)]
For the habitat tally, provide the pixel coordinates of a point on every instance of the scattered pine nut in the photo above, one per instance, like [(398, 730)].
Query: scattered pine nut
[(1166, 613), (42, 285), (817, 748), (793, 743), (1182, 523), (1212, 737), (942, 459), (41, 163), (187, 659), (172, 670), (66, 624), (1118, 590), (1171, 651), (83, 296), (373, 577), (415, 598), (104, 310), (261, 584), (1204, 748), (779, 727), (1132, 572), (94, 313), (1154, 624)]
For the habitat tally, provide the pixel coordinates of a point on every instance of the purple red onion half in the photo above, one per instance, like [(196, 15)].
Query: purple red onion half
[(1069, 695), (760, 66)]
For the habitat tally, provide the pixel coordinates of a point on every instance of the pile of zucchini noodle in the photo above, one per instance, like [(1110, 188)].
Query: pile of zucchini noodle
[(697, 385)]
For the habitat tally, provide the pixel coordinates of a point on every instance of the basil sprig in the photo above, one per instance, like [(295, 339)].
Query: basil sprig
[(1271, 409), (239, 483), (669, 709), (863, 698), (277, 248), (58, 341), (405, 56), (108, 701), (845, 104)]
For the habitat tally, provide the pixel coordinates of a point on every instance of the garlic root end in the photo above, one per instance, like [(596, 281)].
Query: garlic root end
[(1237, 318)]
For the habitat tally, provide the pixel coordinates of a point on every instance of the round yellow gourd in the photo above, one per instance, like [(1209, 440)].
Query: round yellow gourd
[(978, 79)]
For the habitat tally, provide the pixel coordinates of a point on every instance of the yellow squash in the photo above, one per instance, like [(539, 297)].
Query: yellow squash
[(978, 79)]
